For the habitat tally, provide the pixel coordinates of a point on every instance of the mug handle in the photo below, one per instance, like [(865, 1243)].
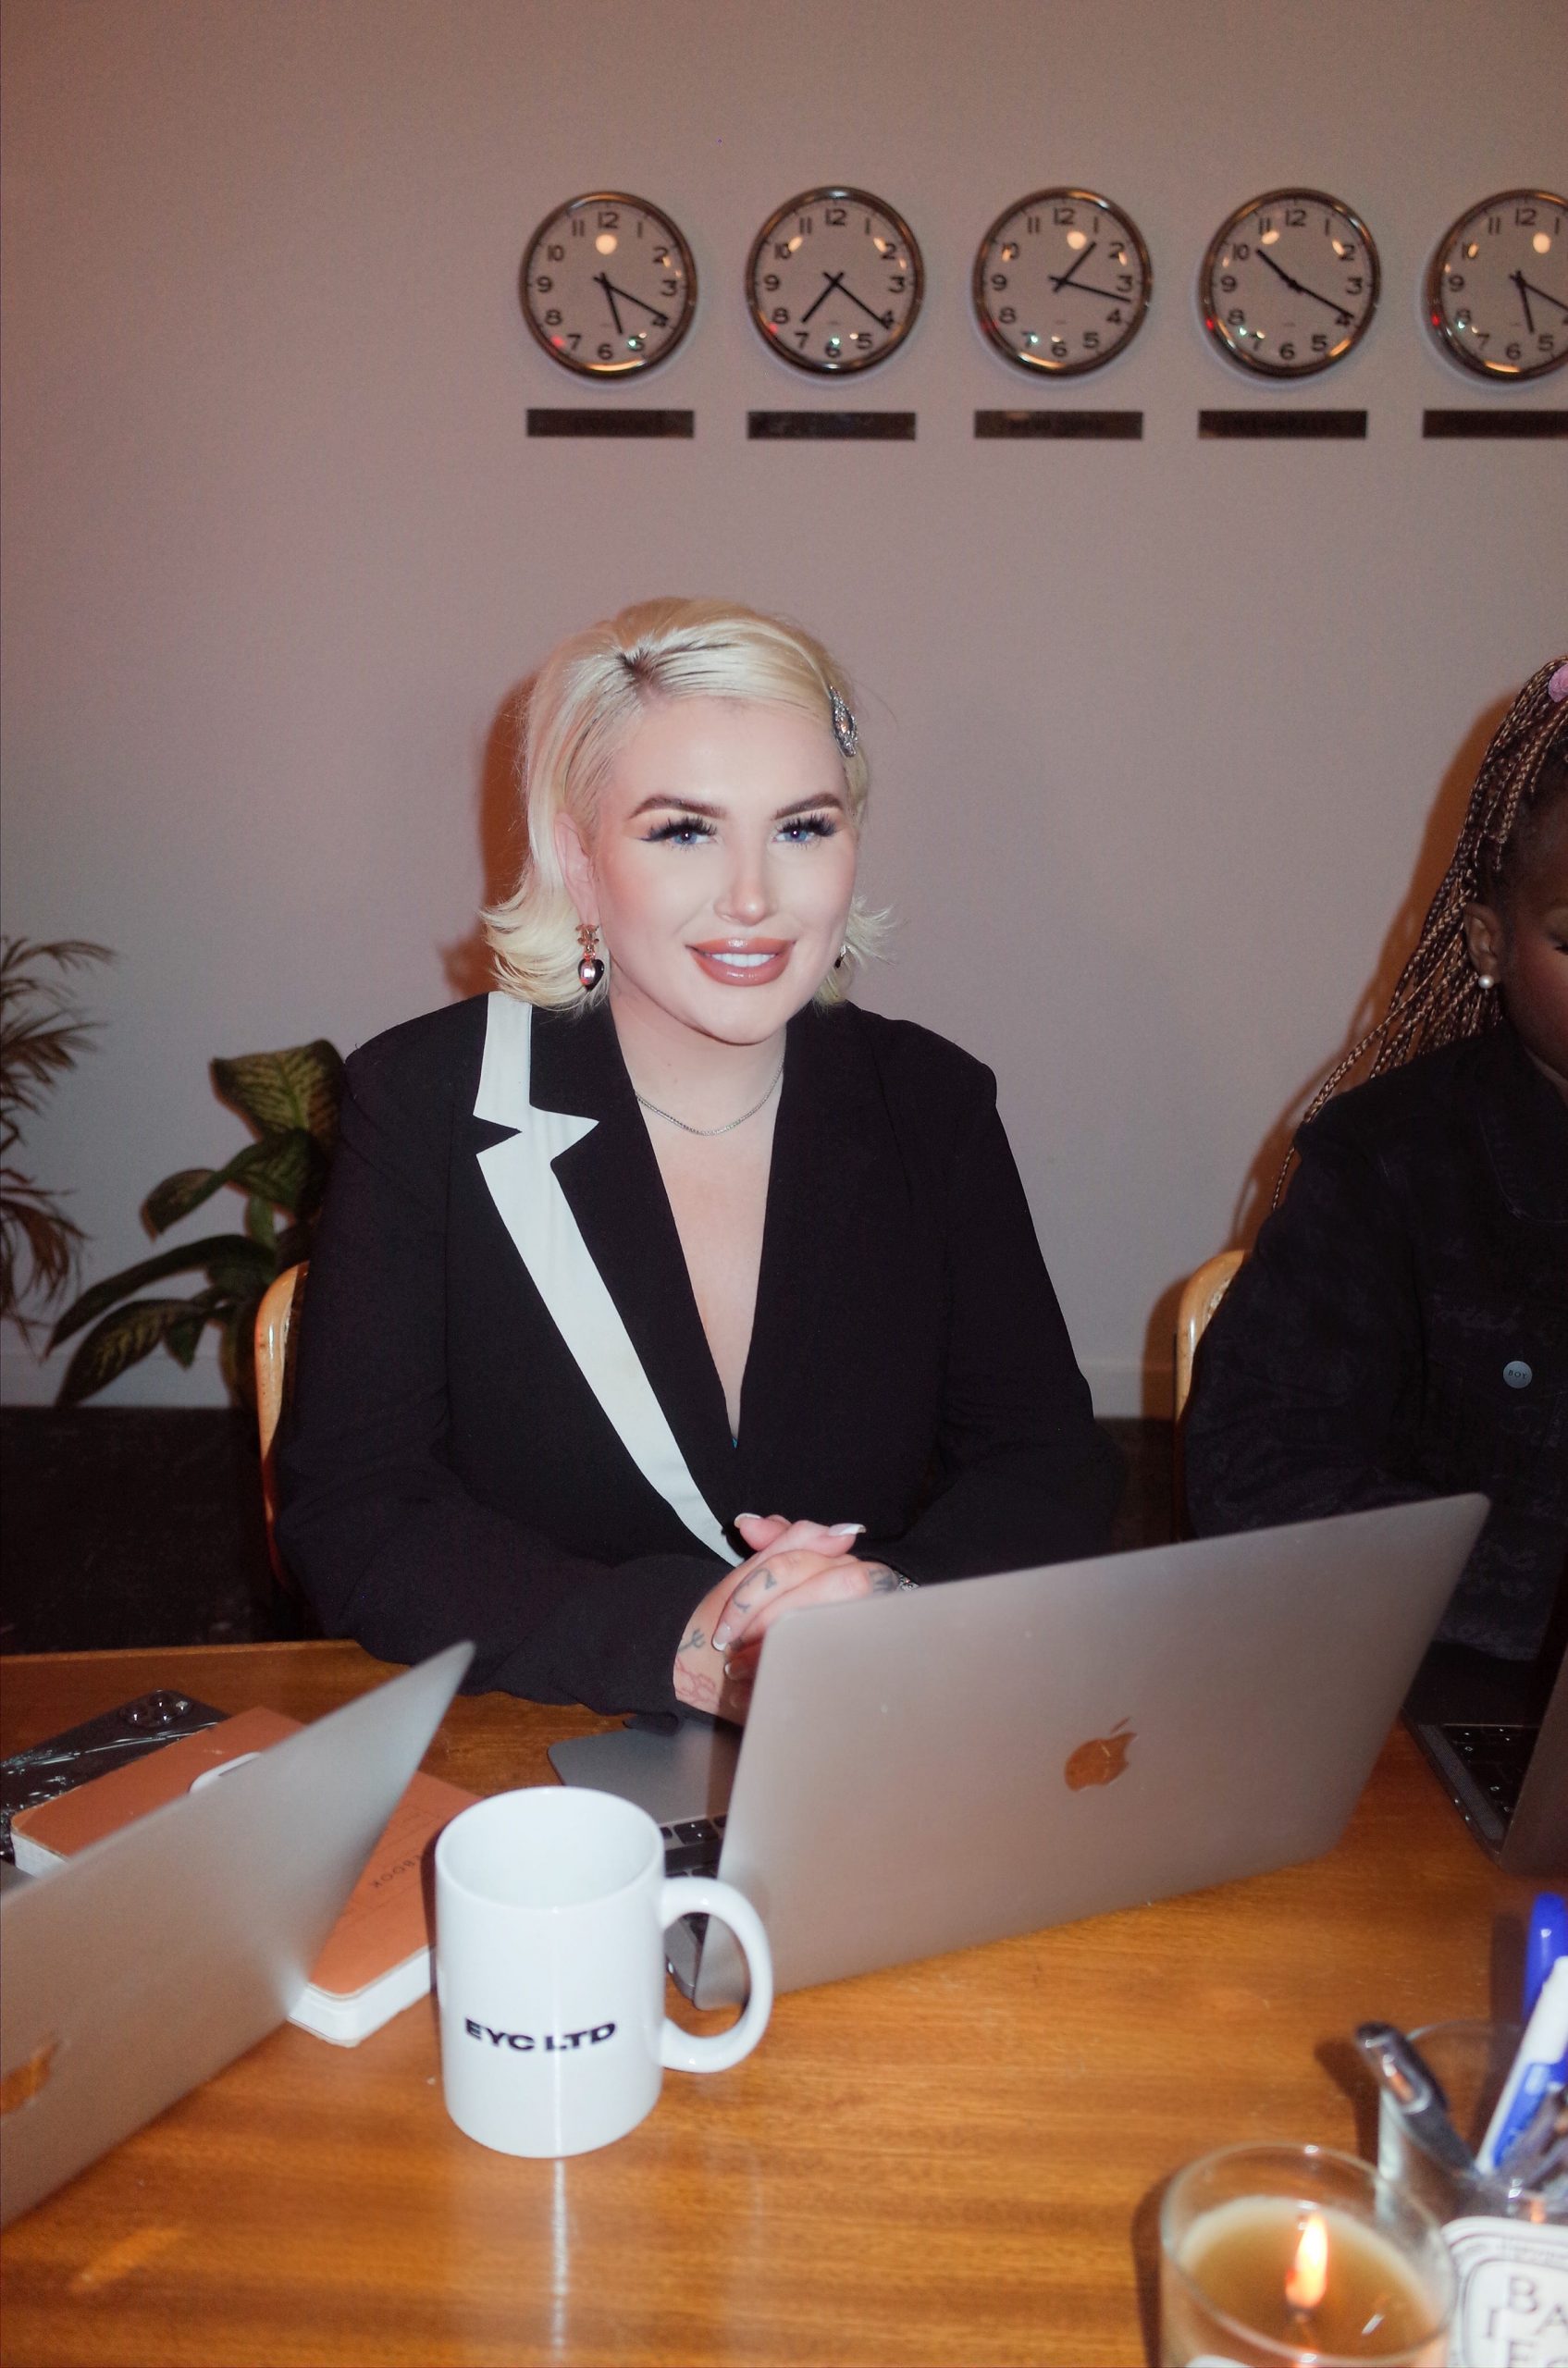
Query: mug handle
[(703, 1895)]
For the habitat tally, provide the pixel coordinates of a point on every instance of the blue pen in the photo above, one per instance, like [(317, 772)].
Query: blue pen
[(1542, 2064), (1546, 1939)]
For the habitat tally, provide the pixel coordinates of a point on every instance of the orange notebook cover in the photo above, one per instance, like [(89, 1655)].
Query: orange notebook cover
[(377, 1959)]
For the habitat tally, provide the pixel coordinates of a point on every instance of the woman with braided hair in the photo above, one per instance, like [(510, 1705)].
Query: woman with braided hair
[(1402, 1331)]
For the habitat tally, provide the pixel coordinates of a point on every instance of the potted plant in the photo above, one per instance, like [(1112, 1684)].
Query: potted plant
[(290, 1099)]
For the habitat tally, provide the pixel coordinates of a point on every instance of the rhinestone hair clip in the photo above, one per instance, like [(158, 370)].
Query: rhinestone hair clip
[(845, 731)]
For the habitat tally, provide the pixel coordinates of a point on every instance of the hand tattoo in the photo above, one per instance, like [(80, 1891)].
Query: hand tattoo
[(768, 1580), (695, 1642)]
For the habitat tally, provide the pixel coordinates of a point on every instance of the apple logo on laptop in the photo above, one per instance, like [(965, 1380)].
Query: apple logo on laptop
[(1100, 1761)]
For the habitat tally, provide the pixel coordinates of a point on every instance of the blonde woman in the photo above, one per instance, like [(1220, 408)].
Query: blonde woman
[(662, 1290)]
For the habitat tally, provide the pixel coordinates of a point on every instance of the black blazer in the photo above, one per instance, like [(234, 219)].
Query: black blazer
[(506, 1423), (1403, 1330)]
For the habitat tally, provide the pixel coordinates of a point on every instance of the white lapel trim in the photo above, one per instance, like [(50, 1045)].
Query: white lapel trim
[(534, 1211)]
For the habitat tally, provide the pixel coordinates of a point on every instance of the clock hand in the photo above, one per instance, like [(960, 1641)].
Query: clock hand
[(1522, 284), (1303, 290), (602, 280), (883, 320), (1082, 288), (1077, 266), (1530, 284), (626, 297), (835, 279)]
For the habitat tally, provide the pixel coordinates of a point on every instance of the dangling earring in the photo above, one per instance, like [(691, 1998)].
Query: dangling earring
[(843, 956), (591, 969)]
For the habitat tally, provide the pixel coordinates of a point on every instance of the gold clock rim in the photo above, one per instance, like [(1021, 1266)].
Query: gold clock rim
[(828, 193), (1031, 363), (608, 373), (1513, 374), (1209, 312)]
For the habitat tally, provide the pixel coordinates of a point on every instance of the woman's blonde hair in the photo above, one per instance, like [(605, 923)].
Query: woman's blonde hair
[(588, 699)]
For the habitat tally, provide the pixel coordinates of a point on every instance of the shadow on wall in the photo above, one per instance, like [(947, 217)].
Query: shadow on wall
[(1257, 1195), (468, 963)]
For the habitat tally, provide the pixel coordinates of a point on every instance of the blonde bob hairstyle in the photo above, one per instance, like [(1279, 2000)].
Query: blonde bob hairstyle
[(586, 701)]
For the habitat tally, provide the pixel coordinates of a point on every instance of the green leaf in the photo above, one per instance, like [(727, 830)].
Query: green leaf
[(242, 1270), (122, 1339), (277, 1092), (182, 1341), (187, 1258), (289, 1169), (177, 1195), (260, 1224)]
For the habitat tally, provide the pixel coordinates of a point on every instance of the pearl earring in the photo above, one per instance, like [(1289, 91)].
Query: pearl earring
[(591, 969), (1487, 980)]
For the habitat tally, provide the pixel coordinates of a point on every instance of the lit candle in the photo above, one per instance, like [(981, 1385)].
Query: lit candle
[(1275, 2255), (1314, 2282)]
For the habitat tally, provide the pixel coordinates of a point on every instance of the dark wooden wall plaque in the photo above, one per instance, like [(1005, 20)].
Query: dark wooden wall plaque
[(557, 422), (1070, 425), (1467, 423), (867, 426), (1336, 425)]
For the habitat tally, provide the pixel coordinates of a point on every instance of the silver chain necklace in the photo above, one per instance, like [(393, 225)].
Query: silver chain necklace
[(730, 1125)]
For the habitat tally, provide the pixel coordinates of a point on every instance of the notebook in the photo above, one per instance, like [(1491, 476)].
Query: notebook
[(376, 1960), (925, 1771), (144, 1966)]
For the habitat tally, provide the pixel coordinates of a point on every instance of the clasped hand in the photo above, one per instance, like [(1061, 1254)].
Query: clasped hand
[(793, 1565)]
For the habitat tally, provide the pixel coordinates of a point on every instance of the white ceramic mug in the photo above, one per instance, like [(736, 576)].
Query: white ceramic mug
[(551, 1911)]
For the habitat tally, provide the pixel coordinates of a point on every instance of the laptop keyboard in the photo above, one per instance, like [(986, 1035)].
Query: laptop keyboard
[(1496, 1758), (693, 1846)]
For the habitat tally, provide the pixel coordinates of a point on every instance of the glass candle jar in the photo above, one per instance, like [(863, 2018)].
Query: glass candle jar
[(1275, 2254)]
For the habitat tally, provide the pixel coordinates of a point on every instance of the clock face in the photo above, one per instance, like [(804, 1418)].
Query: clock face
[(1289, 283), (1497, 290), (835, 280), (1062, 281), (608, 286)]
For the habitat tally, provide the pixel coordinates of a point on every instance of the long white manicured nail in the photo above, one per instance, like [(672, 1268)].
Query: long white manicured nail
[(847, 1529), (720, 1638)]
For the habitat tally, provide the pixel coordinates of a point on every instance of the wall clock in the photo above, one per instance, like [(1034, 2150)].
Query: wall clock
[(1062, 281), (835, 280), (1497, 289), (1289, 283), (608, 286)]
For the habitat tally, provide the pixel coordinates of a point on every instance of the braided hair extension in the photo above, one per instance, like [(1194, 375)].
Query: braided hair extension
[(1438, 998)]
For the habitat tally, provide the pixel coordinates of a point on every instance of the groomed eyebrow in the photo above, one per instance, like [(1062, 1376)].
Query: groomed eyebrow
[(716, 813)]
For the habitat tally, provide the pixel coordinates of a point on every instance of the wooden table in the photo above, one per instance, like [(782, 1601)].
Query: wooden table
[(952, 2162)]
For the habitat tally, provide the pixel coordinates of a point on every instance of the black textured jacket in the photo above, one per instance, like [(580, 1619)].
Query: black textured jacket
[(506, 1422), (1403, 1330)]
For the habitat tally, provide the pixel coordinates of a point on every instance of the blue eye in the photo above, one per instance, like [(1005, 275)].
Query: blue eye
[(801, 828)]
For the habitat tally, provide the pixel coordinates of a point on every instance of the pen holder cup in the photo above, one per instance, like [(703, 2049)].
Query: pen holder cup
[(1472, 2061)]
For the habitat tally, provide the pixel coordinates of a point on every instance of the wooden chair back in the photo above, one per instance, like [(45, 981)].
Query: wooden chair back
[(1200, 1297), (276, 1320)]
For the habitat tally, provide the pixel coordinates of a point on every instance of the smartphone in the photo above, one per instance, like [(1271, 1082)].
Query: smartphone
[(92, 1749)]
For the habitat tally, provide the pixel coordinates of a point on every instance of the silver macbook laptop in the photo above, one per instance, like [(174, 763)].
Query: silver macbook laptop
[(922, 1772), (145, 1965)]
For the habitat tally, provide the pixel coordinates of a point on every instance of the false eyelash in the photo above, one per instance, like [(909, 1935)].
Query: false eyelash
[(814, 826), (680, 826)]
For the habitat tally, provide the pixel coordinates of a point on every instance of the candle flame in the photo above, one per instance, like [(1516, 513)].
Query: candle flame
[(1307, 2277)]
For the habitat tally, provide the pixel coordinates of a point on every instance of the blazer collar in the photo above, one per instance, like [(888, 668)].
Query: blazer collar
[(580, 1195), (559, 1083)]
